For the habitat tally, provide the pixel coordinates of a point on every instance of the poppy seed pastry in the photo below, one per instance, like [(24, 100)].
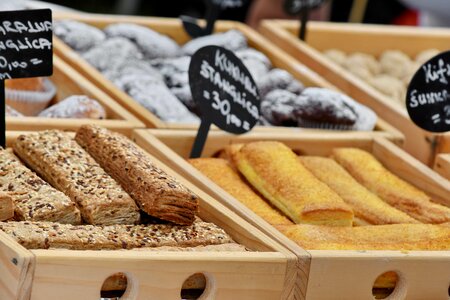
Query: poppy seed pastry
[(78, 35), (151, 43), (157, 193), (233, 40)]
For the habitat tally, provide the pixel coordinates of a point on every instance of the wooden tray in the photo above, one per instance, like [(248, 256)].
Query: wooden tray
[(371, 39), (442, 165), (173, 28), (267, 273), (328, 274), (68, 82)]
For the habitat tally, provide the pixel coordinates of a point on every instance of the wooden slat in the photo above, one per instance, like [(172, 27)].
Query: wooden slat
[(173, 28), (442, 165), (371, 39)]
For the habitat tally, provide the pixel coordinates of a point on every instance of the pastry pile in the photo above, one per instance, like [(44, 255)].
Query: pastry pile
[(98, 191), (348, 201)]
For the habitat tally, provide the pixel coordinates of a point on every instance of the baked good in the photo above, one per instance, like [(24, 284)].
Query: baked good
[(78, 35), (275, 171), (390, 86), (46, 235), (151, 43), (157, 193), (256, 63), (277, 107), (75, 107), (11, 112), (233, 40), (278, 79), (366, 205), (229, 153), (395, 63), (382, 237), (6, 207), (57, 158), (336, 55), (364, 61), (35, 84), (424, 56), (34, 199), (220, 172), (368, 171)]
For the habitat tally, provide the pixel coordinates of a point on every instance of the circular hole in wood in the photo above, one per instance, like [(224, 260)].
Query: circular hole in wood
[(114, 287), (193, 287), (385, 285)]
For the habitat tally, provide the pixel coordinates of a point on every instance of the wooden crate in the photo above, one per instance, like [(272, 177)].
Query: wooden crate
[(266, 273), (442, 165), (371, 39), (328, 274), (69, 82), (173, 28)]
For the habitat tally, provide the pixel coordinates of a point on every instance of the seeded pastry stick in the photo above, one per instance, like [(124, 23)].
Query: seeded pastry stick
[(275, 171), (57, 158), (366, 205), (380, 237), (368, 171), (34, 199), (6, 207), (220, 171), (157, 193)]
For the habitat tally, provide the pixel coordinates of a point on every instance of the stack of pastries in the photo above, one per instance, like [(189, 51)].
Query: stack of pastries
[(98, 191), (349, 201)]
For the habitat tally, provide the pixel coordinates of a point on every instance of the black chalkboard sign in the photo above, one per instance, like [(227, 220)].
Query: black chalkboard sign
[(428, 95), (302, 8), (213, 8), (25, 49), (224, 91)]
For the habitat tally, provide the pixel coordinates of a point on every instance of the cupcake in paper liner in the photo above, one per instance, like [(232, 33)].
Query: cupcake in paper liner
[(29, 96)]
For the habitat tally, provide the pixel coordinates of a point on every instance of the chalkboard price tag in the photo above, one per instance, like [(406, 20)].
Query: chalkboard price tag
[(224, 91), (213, 8), (25, 49), (428, 95), (302, 8)]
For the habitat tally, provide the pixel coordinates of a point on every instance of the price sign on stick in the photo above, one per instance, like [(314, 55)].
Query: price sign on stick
[(428, 95), (225, 93), (213, 8), (302, 8), (25, 49)]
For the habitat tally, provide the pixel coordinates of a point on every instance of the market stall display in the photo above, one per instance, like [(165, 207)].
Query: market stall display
[(442, 165), (371, 63), (65, 100), (44, 258), (277, 75), (401, 244)]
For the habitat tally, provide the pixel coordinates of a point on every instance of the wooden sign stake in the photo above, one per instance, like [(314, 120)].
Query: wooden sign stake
[(200, 139), (304, 17)]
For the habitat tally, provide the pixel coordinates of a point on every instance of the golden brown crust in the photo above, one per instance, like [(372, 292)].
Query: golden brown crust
[(366, 205), (6, 207), (45, 235), (368, 171), (57, 158), (229, 153), (34, 199), (275, 171), (220, 172), (381, 237), (157, 193)]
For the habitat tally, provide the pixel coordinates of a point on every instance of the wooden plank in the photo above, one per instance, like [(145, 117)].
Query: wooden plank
[(442, 165), (17, 270), (172, 28), (68, 83), (371, 39)]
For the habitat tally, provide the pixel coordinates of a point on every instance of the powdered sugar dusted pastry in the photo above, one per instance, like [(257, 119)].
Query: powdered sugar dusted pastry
[(157, 193), (11, 112), (77, 35), (112, 53), (232, 40), (277, 107), (174, 70), (76, 107), (151, 43), (279, 79), (253, 54)]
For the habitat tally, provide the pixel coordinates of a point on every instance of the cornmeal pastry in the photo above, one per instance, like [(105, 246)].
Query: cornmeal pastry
[(6, 207), (34, 199), (275, 171), (381, 237), (46, 235), (220, 171), (229, 152), (157, 193), (366, 205), (366, 169), (57, 158)]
